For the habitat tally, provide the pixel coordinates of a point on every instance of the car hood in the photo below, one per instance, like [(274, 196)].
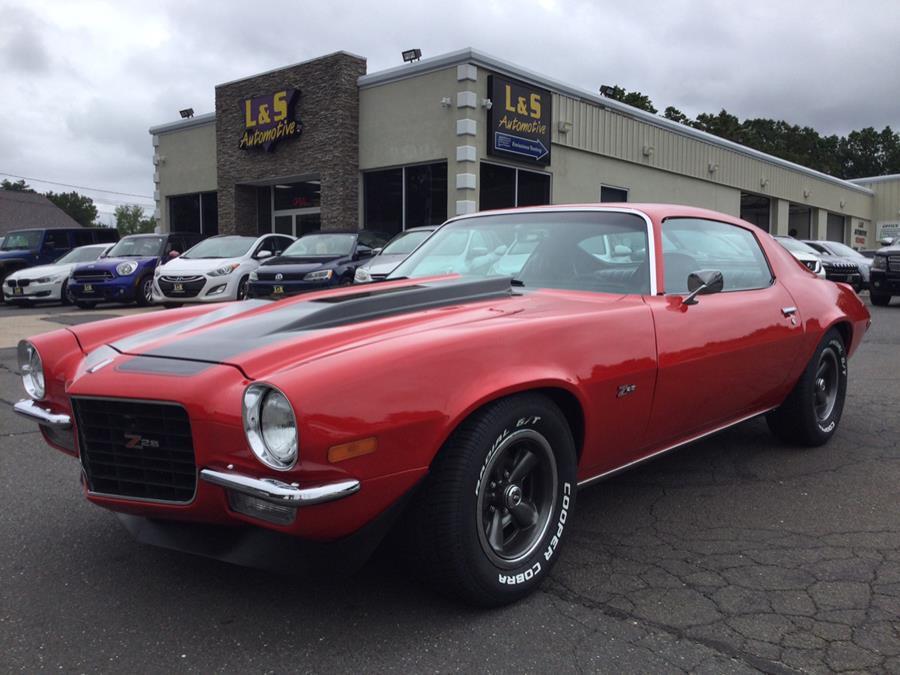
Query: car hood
[(42, 271), (383, 264), (291, 263), (16, 254), (196, 265), (260, 337)]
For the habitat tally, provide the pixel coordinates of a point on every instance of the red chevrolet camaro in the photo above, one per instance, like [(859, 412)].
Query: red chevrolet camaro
[(514, 358)]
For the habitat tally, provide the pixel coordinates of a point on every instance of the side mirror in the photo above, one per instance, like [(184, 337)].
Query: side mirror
[(173, 254), (377, 251), (621, 250), (500, 250), (261, 255), (477, 252), (363, 252), (703, 282)]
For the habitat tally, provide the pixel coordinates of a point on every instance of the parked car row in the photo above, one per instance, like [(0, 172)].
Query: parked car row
[(176, 268)]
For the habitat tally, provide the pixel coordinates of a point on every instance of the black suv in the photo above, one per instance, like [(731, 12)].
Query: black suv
[(27, 248), (884, 280)]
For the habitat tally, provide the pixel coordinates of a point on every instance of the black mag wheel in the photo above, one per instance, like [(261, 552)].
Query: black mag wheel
[(826, 384), (812, 411), (490, 518), (516, 496)]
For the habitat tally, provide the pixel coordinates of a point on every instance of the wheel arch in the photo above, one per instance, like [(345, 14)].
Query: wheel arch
[(561, 394), (846, 331)]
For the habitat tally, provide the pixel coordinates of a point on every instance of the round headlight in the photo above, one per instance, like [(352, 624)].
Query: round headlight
[(126, 268), (32, 370), (270, 426)]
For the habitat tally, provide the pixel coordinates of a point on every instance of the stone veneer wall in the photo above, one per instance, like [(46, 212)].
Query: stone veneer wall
[(328, 147)]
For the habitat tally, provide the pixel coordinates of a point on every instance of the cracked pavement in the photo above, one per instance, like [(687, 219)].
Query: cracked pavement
[(737, 554)]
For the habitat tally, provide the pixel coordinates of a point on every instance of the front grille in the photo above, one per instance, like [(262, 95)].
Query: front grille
[(284, 276), (22, 283), (92, 276), (190, 286), (136, 449), (894, 263)]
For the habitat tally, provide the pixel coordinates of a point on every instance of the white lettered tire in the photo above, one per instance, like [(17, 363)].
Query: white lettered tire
[(490, 520)]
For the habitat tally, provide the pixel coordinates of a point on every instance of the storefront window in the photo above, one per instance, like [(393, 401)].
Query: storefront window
[(397, 199), (613, 194), (498, 187), (197, 212), (504, 187), (426, 195)]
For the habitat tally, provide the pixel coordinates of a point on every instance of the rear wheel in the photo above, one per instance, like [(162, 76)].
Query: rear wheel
[(145, 291), (812, 411), (491, 517), (879, 299)]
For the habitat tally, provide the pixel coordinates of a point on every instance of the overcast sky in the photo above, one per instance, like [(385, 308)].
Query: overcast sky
[(82, 82)]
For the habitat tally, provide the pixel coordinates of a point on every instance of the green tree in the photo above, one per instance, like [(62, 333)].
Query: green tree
[(633, 98), (79, 207), (18, 186), (674, 114), (130, 220)]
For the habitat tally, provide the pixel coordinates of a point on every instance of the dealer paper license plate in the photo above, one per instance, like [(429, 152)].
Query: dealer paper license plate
[(278, 290), (88, 288)]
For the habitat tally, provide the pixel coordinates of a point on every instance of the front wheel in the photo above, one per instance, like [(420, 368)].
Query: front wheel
[(812, 411), (879, 299), (145, 291), (491, 517), (242, 289), (66, 297)]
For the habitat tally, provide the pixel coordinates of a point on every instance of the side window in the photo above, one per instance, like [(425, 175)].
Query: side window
[(693, 244), (57, 240), (83, 237)]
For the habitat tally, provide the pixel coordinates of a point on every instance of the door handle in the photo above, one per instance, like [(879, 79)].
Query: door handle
[(788, 311)]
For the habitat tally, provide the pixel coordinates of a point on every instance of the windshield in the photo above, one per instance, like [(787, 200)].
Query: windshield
[(321, 245), (137, 247), (26, 240), (80, 254), (220, 247), (577, 250), (796, 246), (405, 242)]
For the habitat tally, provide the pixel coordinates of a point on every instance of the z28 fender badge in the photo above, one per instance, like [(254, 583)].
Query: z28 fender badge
[(625, 389)]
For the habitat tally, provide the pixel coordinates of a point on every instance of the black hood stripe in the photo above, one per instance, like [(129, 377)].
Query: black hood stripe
[(220, 343)]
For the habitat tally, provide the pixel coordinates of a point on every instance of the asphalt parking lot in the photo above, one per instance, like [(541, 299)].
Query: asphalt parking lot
[(738, 554)]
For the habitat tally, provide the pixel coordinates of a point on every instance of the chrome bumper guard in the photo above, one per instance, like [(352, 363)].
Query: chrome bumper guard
[(31, 410), (277, 492)]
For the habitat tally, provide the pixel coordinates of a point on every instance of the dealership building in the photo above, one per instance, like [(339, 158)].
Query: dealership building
[(325, 145)]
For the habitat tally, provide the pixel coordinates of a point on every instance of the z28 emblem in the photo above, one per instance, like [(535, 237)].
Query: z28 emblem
[(625, 389), (136, 441)]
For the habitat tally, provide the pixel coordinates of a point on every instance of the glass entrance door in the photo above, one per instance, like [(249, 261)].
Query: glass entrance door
[(297, 223)]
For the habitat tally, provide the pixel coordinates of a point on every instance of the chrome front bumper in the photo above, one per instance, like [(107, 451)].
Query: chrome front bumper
[(277, 492), (31, 410)]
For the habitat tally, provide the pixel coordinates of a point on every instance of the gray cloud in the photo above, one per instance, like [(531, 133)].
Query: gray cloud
[(121, 68)]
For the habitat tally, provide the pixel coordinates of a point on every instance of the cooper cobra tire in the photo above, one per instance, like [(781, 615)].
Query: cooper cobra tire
[(491, 516), (880, 299), (812, 411), (144, 291)]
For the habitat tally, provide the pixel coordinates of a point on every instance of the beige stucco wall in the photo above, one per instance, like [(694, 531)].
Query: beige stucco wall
[(404, 122), (185, 163)]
